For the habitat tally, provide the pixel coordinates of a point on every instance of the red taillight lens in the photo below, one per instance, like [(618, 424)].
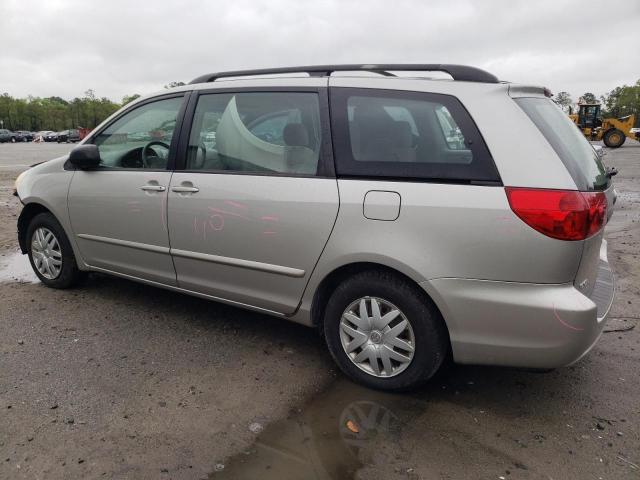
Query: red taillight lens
[(561, 214), (597, 202)]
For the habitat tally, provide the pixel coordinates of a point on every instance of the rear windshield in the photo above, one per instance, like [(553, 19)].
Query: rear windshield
[(567, 140)]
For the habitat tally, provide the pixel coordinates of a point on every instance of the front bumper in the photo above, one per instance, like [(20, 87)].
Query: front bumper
[(522, 324)]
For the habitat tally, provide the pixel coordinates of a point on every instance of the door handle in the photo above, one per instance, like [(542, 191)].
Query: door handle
[(179, 189), (153, 188)]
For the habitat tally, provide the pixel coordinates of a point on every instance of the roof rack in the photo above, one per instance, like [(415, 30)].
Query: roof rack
[(458, 72)]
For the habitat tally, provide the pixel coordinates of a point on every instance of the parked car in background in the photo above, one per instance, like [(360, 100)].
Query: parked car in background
[(68, 136), (601, 152), (395, 215), (24, 136), (8, 136), (51, 137)]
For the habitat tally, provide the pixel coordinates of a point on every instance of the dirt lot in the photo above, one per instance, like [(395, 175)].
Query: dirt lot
[(120, 380)]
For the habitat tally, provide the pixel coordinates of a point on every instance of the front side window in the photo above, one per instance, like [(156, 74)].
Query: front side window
[(384, 133), (256, 132), (141, 138)]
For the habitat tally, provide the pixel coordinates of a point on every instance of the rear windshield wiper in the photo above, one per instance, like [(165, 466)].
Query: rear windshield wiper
[(611, 171)]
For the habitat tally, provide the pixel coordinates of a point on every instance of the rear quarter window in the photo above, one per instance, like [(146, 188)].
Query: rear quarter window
[(407, 135), (576, 153)]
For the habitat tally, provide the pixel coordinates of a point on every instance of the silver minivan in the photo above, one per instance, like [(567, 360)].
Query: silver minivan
[(409, 220)]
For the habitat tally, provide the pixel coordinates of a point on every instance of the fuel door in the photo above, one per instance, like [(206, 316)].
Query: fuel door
[(381, 205)]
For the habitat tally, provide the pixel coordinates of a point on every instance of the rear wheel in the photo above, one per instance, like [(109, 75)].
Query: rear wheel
[(50, 253), (384, 332), (613, 138)]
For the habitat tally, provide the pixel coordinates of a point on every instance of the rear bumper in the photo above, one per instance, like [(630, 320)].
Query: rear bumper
[(522, 324)]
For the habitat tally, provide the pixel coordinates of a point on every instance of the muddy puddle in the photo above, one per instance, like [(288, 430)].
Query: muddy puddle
[(471, 419), (15, 267), (332, 437)]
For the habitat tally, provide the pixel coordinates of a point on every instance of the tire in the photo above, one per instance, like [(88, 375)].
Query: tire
[(614, 138), (426, 333), (61, 276), (13, 139)]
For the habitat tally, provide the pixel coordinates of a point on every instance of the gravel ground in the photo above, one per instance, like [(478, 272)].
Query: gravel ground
[(120, 380)]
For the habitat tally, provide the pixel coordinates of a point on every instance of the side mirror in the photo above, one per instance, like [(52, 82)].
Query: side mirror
[(85, 157)]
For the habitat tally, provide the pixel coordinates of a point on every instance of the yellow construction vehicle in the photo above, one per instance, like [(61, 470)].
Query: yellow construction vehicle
[(612, 131)]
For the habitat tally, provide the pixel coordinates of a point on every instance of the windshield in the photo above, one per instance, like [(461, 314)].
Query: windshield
[(567, 140)]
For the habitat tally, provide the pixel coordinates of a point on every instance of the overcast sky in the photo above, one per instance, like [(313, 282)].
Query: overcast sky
[(120, 47)]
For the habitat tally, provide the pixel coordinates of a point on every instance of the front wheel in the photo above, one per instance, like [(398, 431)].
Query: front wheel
[(384, 332), (50, 253), (613, 138)]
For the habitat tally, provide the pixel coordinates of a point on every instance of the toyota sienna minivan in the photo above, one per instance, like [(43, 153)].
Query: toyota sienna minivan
[(407, 219)]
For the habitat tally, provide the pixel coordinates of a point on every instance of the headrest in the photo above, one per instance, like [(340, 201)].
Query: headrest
[(402, 136), (295, 135)]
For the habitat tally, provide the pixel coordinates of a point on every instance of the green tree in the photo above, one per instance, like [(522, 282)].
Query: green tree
[(564, 100), (129, 98), (174, 84), (623, 101), (588, 98), (54, 113)]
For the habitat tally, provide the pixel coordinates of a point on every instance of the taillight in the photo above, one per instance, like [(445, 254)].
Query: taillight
[(561, 214)]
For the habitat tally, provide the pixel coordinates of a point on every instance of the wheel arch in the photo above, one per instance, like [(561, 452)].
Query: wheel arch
[(328, 284), (29, 211)]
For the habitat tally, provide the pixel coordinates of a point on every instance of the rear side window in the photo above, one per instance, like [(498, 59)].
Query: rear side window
[(577, 154), (395, 134)]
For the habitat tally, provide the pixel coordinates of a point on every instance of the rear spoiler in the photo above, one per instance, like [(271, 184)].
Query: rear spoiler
[(516, 91)]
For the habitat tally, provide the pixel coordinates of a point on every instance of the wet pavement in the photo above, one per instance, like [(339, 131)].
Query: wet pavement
[(477, 423), (121, 380), (15, 267), (19, 156)]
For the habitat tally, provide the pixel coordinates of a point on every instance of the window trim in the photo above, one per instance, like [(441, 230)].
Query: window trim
[(326, 167), (349, 168), (173, 147)]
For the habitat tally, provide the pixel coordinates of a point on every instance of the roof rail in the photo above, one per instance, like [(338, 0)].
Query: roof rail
[(458, 72)]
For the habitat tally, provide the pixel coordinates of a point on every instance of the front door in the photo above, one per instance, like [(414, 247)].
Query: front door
[(118, 211), (254, 206)]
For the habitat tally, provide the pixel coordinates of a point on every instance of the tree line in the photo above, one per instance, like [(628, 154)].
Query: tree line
[(55, 113), (619, 102)]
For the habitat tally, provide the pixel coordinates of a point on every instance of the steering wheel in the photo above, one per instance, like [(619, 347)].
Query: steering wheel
[(146, 158)]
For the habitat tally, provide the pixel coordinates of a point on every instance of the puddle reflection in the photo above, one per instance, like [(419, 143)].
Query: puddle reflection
[(331, 438), (15, 267)]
